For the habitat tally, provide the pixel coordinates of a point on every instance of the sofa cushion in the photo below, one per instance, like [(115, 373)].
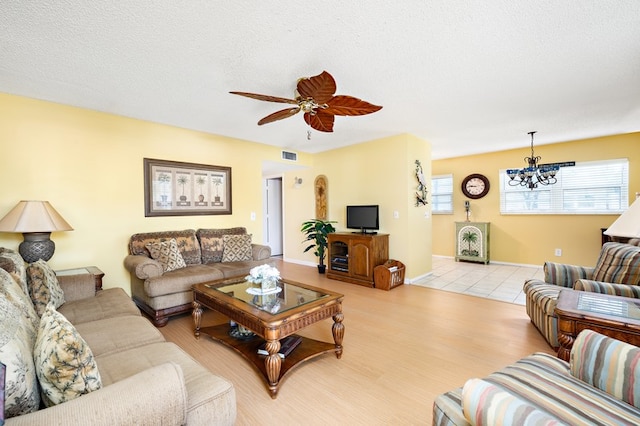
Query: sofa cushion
[(180, 280), (109, 303), (186, 240), (64, 363), (17, 338), (212, 242), (111, 335), (167, 253), (15, 265), (618, 263), (608, 364), (483, 403), (211, 399), (43, 286), (236, 248)]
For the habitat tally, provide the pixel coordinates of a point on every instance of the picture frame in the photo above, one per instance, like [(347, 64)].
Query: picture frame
[(173, 188)]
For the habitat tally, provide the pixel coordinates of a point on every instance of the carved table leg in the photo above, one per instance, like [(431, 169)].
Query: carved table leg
[(197, 317), (338, 332), (272, 363), (566, 343)]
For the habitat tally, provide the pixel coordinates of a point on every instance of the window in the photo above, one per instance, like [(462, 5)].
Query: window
[(442, 194), (594, 187)]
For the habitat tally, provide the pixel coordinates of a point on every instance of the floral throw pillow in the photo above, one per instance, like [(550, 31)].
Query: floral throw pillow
[(17, 337), (237, 248), (168, 254), (43, 286), (64, 363)]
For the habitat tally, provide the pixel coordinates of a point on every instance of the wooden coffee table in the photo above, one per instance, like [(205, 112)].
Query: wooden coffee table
[(271, 317), (613, 316)]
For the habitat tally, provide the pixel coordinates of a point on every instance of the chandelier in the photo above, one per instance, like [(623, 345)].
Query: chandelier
[(534, 174)]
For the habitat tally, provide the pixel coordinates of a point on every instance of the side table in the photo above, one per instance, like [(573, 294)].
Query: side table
[(613, 316), (84, 270)]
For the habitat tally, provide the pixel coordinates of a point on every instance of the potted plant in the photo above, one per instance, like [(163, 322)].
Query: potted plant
[(317, 231)]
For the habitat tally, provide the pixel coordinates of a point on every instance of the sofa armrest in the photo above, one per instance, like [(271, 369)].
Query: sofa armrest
[(260, 251), (624, 290), (565, 275), (152, 397), (143, 267), (77, 286)]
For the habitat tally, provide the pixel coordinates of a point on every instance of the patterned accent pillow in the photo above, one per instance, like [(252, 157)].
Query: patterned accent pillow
[(187, 243), (43, 286), (237, 248), (608, 364), (483, 403), (17, 338), (167, 253), (212, 242), (16, 266), (64, 363)]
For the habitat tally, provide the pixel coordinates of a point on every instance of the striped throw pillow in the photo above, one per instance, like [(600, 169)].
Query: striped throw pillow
[(484, 403), (608, 364)]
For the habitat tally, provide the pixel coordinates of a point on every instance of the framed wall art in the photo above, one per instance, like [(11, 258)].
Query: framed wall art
[(173, 188)]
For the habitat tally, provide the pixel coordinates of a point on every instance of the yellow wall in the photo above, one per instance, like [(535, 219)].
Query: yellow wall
[(377, 172), (89, 165), (531, 239)]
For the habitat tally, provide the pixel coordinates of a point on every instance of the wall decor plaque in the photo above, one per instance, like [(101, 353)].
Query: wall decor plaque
[(173, 188)]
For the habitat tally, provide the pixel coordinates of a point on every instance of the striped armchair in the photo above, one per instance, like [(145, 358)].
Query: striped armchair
[(617, 272)]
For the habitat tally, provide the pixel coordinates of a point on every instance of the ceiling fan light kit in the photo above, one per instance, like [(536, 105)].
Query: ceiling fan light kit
[(315, 97)]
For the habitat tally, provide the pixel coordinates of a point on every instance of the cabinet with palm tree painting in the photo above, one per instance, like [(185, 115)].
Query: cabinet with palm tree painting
[(472, 241)]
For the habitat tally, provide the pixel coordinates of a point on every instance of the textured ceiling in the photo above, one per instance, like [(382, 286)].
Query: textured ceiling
[(467, 76)]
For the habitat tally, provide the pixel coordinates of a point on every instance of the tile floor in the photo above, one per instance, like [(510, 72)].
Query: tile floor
[(493, 281)]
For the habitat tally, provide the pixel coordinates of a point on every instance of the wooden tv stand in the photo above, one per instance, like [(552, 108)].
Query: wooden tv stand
[(352, 256)]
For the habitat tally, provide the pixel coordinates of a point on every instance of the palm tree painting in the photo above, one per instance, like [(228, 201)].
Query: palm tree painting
[(470, 237)]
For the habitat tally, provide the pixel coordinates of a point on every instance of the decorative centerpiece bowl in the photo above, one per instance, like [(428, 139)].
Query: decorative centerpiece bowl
[(265, 278)]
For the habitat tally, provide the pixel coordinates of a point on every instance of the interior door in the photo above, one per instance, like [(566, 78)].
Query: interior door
[(273, 215)]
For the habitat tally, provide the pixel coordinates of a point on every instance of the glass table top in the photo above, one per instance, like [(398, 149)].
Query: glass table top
[(617, 307), (287, 296)]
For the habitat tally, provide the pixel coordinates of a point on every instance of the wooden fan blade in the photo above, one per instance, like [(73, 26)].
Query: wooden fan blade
[(279, 115), (348, 105), (320, 87), (267, 98), (320, 121)]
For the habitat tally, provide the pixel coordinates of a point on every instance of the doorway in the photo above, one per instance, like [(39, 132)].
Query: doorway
[(273, 215)]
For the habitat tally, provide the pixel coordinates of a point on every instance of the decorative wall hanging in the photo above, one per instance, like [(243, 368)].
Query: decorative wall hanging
[(421, 194), (320, 186), (173, 188)]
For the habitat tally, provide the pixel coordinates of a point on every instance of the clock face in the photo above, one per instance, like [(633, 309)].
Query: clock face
[(475, 186)]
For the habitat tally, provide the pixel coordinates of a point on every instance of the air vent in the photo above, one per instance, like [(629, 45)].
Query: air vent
[(292, 156)]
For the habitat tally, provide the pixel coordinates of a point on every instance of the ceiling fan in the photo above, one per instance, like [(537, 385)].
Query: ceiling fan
[(315, 97)]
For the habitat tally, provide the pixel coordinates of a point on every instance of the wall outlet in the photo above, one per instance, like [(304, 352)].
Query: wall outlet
[(396, 214), (253, 215), (558, 252)]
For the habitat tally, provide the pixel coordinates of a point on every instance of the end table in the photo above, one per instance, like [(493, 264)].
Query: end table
[(84, 270)]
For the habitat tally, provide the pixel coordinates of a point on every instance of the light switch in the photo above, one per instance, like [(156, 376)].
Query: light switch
[(253, 215), (396, 214)]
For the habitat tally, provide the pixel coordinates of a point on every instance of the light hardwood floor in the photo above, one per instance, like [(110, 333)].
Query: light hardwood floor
[(401, 349)]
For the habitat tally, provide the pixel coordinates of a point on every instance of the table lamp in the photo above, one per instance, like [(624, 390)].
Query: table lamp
[(628, 224), (36, 220)]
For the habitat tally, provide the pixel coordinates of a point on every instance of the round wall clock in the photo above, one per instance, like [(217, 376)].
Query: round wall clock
[(475, 186)]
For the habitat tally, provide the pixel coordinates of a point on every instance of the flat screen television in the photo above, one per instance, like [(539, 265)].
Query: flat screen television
[(364, 218)]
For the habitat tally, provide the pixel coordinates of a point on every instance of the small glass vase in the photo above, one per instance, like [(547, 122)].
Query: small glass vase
[(268, 285)]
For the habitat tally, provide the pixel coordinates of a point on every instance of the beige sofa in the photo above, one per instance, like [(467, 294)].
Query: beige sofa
[(162, 287), (145, 380)]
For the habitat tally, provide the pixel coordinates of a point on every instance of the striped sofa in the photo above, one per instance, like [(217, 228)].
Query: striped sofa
[(617, 272), (599, 386)]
